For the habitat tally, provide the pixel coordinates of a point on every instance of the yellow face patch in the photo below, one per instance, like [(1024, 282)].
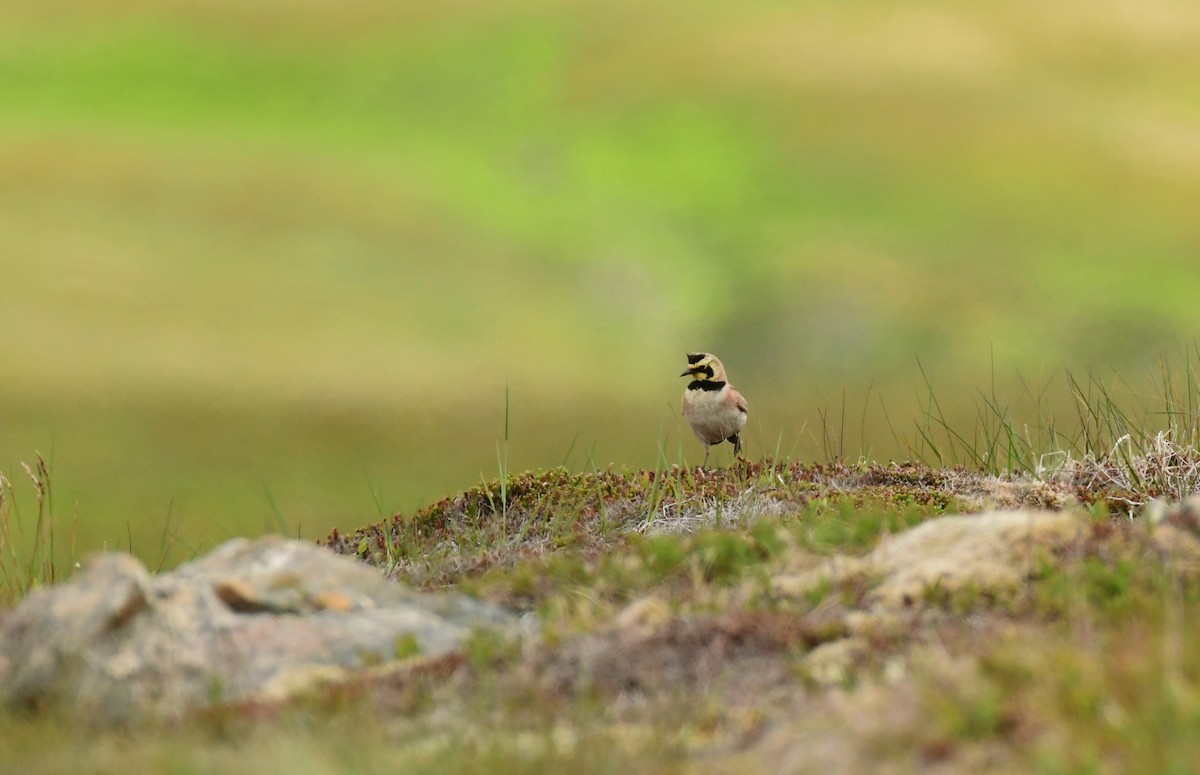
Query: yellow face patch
[(701, 369)]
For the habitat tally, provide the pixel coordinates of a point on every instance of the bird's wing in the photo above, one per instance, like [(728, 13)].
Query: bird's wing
[(738, 400)]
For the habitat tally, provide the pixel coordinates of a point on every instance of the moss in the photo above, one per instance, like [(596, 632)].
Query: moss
[(407, 646), (556, 510)]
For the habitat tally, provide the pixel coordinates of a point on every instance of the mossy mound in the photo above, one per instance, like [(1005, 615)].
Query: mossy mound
[(532, 513)]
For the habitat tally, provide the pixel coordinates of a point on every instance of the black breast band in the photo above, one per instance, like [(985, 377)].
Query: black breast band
[(705, 384)]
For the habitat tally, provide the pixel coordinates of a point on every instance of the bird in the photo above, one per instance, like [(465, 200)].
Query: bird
[(714, 408)]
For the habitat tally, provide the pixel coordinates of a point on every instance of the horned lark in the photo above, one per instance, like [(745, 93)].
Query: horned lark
[(714, 408)]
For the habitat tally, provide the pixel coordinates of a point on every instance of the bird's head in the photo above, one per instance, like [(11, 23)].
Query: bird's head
[(704, 366)]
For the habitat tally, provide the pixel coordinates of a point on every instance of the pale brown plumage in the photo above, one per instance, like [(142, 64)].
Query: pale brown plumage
[(714, 408)]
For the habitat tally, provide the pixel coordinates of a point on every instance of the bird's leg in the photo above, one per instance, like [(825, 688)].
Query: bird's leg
[(704, 465)]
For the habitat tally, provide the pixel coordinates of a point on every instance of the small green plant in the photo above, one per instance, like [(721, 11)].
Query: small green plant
[(725, 556), (500, 505), (485, 648), (27, 560), (844, 524), (407, 646), (662, 554)]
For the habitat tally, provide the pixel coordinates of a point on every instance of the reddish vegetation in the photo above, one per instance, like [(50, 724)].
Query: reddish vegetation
[(532, 513)]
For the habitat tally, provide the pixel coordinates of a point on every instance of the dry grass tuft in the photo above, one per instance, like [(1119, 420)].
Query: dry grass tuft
[(1131, 475)]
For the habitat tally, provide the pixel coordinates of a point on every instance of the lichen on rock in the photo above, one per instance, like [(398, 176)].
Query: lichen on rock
[(115, 644)]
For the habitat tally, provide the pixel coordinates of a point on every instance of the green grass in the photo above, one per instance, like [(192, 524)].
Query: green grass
[(1031, 678), (302, 268), (27, 551), (1084, 666), (235, 232)]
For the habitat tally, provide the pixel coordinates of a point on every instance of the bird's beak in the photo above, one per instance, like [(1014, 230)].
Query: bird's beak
[(687, 373)]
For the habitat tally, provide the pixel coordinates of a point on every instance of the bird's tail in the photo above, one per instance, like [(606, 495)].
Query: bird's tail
[(736, 441)]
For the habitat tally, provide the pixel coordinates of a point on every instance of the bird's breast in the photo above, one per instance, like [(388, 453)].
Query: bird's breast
[(711, 413)]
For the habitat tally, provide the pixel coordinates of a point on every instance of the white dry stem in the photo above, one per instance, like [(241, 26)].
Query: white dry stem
[(1162, 467), (691, 515)]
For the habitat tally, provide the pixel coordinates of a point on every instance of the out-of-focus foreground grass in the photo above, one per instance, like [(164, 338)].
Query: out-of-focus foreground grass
[(267, 262)]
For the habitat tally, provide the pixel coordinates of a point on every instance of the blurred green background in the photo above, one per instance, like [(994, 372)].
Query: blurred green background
[(269, 262)]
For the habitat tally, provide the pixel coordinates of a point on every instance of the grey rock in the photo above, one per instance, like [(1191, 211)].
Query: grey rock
[(256, 619), (989, 552)]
